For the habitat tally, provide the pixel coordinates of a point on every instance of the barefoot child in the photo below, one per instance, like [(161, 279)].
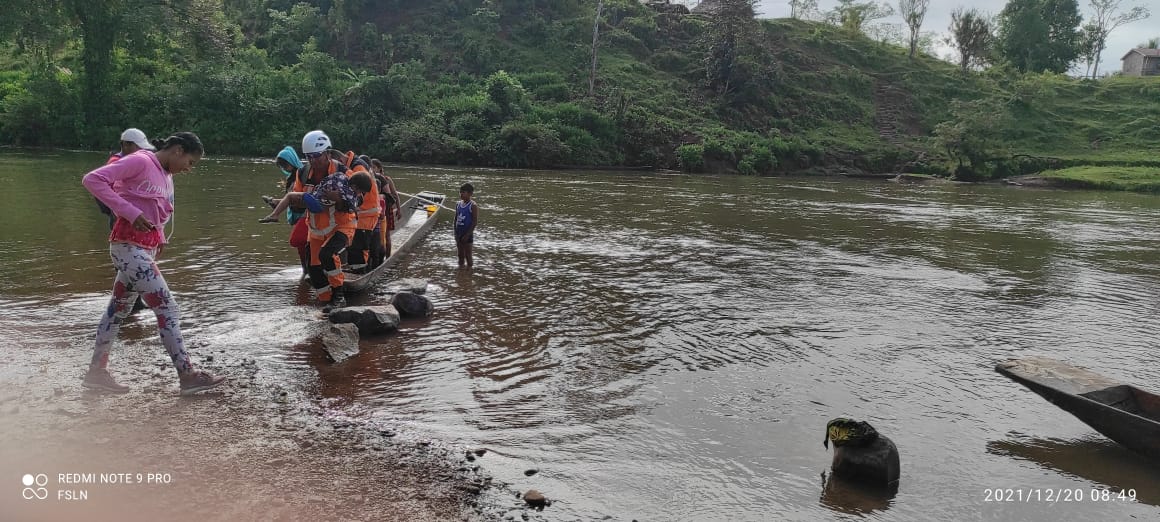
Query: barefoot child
[(466, 217)]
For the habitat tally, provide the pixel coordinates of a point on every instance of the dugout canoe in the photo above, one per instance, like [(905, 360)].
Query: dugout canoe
[(419, 215), (1121, 412)]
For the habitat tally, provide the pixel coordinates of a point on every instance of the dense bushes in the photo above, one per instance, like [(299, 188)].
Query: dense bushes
[(478, 82)]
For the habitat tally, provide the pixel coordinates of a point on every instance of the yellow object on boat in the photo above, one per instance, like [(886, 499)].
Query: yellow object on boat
[(432, 208)]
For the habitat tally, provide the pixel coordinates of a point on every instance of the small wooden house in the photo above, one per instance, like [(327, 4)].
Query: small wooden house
[(1142, 62)]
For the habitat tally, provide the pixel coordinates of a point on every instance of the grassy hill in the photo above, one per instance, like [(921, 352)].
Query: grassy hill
[(506, 84)]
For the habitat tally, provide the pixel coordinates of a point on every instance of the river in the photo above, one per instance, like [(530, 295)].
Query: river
[(668, 347)]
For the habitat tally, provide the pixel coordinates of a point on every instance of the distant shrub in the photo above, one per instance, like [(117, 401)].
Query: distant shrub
[(691, 157), (620, 39), (758, 161), (672, 61), (522, 144), (643, 28)]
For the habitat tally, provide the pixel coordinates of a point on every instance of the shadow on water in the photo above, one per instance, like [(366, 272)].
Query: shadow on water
[(1096, 459), (851, 498)]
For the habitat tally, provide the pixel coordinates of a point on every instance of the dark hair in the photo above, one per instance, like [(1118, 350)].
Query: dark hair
[(468, 188), (361, 181), (188, 141), (376, 163)]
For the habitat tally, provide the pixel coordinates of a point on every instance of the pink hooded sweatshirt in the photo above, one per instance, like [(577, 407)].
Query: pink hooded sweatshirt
[(136, 185)]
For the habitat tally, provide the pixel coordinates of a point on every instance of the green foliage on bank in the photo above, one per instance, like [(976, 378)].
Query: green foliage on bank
[(481, 82)]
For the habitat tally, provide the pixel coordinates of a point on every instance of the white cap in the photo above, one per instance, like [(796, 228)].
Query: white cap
[(315, 141), (137, 137)]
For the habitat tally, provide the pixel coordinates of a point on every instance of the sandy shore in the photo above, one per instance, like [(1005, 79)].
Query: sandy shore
[(247, 452)]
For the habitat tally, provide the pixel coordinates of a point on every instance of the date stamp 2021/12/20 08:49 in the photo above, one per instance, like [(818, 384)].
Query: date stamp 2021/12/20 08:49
[(1054, 495)]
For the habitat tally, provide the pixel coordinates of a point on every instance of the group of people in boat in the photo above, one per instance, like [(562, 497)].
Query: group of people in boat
[(336, 201)]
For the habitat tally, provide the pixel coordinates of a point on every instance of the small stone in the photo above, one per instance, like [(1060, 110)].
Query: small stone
[(209, 358), (480, 452), (535, 498), (531, 472)]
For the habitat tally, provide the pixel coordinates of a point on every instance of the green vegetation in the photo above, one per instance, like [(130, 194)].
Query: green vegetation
[(1138, 179), (482, 82)]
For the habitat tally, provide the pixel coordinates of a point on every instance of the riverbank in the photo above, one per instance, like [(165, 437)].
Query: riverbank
[(1133, 179), (264, 448)]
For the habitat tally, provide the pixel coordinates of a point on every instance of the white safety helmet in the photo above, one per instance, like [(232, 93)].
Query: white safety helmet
[(315, 141)]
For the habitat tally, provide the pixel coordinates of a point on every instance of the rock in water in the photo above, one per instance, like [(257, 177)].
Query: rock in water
[(340, 341), (861, 454), (370, 320), (412, 305), (535, 499)]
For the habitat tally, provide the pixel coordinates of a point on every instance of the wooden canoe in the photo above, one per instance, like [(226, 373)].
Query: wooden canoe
[(419, 215), (1121, 412)]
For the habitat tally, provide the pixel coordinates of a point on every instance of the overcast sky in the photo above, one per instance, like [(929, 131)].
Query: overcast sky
[(938, 19)]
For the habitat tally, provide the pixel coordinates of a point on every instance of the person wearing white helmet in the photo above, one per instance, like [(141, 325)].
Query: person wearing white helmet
[(331, 199)]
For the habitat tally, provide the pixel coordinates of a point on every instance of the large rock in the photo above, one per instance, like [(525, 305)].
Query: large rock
[(413, 285), (412, 305), (340, 341), (370, 320)]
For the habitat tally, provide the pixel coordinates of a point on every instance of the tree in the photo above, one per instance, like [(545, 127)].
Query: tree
[(973, 134), (1105, 20), (100, 23), (802, 9), (971, 36), (1040, 35), (37, 28), (1153, 43), (913, 11), (854, 16), (732, 29), (1089, 46), (595, 42)]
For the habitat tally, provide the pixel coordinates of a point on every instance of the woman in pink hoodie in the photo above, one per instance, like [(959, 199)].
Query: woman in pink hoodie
[(139, 190)]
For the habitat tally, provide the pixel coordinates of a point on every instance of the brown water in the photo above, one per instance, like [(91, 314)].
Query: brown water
[(670, 347)]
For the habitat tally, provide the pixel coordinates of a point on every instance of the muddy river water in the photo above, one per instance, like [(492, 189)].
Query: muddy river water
[(653, 347)]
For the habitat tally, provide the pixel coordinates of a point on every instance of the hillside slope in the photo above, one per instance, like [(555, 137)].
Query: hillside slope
[(506, 84)]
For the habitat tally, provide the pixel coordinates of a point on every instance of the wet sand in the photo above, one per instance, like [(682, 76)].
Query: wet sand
[(244, 453)]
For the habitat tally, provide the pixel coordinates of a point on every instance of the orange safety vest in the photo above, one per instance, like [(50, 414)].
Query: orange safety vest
[(324, 223)]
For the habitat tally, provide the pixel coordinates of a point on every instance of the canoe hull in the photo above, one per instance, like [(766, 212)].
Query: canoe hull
[(1123, 413), (413, 225)]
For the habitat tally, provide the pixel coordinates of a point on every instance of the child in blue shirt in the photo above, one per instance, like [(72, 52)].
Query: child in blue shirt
[(466, 217)]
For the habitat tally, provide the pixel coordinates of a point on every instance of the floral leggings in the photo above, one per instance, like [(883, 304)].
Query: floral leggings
[(137, 273)]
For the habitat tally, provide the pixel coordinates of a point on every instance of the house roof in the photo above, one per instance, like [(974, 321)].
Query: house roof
[(1145, 52)]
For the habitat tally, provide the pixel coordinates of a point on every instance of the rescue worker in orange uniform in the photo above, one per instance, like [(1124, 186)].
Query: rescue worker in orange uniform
[(358, 256), (331, 226)]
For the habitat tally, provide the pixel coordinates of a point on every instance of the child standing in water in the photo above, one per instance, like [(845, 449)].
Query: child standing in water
[(139, 190), (466, 217)]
